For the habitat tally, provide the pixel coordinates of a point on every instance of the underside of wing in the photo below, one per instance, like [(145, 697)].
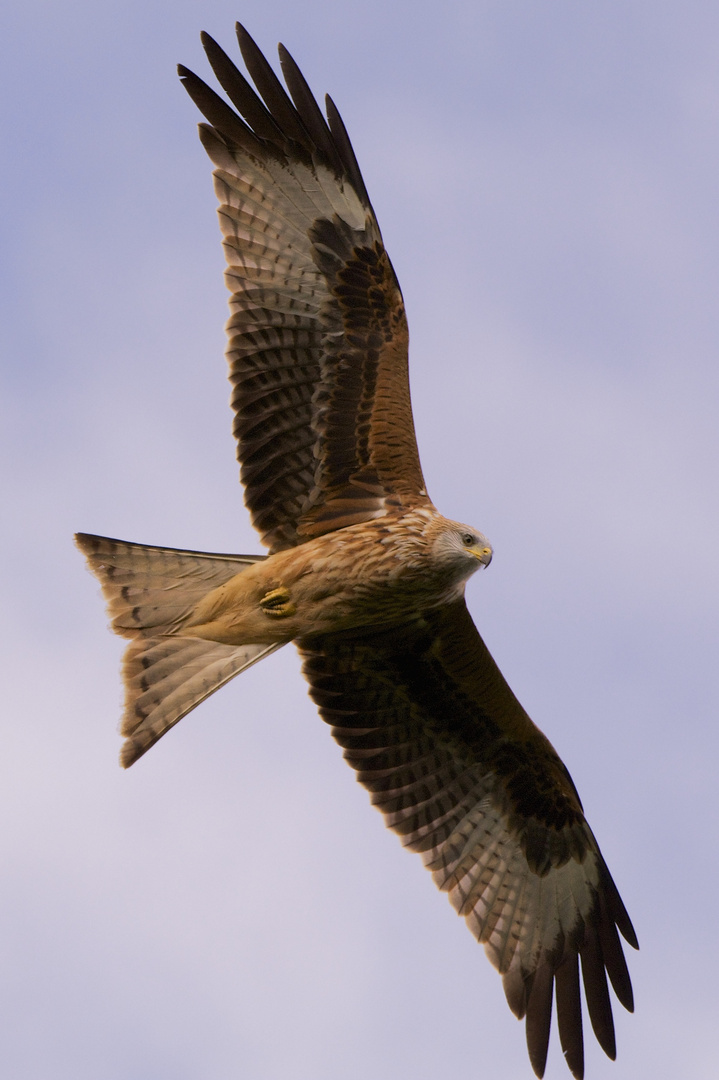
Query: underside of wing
[(462, 774), (317, 334)]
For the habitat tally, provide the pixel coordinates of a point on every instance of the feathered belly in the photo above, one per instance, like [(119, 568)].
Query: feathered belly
[(354, 578)]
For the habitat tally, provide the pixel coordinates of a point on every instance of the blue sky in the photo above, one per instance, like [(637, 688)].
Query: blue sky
[(545, 176)]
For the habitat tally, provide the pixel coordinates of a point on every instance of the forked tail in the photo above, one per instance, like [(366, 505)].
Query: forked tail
[(150, 592)]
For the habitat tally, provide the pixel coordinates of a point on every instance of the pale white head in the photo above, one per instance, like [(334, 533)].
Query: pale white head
[(461, 548)]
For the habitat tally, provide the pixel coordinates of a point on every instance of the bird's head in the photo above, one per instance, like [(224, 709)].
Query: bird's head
[(463, 548)]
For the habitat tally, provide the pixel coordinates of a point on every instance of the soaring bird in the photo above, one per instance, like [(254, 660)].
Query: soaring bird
[(363, 573)]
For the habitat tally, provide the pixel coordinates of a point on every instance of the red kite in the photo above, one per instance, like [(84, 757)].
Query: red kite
[(363, 573)]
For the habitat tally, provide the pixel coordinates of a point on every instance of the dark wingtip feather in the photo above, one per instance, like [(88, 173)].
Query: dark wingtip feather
[(515, 991), (309, 111), (621, 918), (596, 991), (569, 1014), (614, 961), (218, 112), (539, 1017), (272, 91), (615, 906), (346, 152), (240, 93)]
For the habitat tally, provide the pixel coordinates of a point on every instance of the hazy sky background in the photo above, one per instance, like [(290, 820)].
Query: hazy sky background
[(546, 179)]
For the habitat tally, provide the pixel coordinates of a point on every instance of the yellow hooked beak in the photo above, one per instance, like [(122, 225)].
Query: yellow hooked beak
[(483, 553)]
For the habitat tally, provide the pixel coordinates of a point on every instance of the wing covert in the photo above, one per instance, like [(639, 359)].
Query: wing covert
[(317, 334), (462, 774)]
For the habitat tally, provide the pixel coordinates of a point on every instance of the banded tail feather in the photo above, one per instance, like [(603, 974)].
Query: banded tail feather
[(150, 593)]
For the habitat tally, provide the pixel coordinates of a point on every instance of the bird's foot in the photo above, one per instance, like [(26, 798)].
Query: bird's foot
[(277, 603)]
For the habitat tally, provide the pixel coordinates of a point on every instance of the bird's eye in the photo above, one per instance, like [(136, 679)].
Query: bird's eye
[(468, 539)]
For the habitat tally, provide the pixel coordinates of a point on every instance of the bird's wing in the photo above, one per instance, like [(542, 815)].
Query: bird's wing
[(463, 775), (318, 334)]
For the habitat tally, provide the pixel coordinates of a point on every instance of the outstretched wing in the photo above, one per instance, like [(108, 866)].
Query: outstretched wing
[(317, 335), (463, 775)]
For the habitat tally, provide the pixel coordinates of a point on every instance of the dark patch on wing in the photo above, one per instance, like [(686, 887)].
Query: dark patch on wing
[(490, 729)]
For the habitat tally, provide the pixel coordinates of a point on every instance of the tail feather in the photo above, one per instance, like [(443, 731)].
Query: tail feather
[(150, 592), (166, 677)]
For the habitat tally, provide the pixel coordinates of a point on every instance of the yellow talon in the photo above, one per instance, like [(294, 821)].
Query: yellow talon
[(277, 603)]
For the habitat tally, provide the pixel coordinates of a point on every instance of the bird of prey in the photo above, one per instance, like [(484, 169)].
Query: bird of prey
[(363, 573)]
